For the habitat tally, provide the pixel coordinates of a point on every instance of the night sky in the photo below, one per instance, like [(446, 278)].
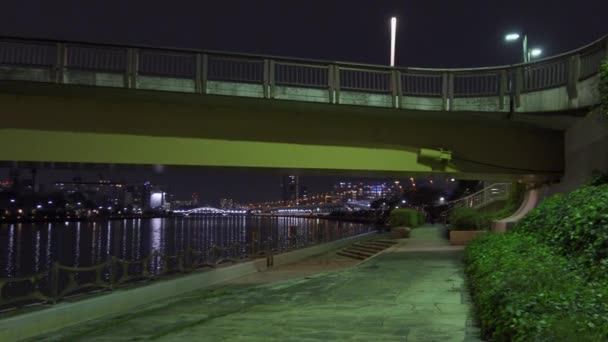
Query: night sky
[(431, 33)]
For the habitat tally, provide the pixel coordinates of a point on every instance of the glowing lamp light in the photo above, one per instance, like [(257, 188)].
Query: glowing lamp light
[(393, 39), (536, 52), (511, 37)]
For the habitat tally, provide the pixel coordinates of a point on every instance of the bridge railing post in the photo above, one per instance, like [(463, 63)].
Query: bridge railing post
[(574, 71), (331, 83), (444, 91), (337, 83), (202, 65), (60, 63), (132, 67), (503, 89), (269, 78), (396, 88), (450, 91), (519, 85)]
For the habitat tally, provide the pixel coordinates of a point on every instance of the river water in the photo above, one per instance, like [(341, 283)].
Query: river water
[(28, 248)]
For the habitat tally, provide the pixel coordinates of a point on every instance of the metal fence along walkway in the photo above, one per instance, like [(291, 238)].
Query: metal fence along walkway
[(208, 72), (62, 281)]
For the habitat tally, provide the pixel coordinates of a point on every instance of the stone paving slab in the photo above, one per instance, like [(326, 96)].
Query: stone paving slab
[(402, 294)]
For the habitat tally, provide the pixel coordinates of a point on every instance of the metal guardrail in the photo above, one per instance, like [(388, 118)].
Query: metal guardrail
[(493, 193), (62, 281), (490, 194), (127, 64)]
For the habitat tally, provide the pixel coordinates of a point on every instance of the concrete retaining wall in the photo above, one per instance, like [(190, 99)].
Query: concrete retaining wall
[(124, 300), (586, 150)]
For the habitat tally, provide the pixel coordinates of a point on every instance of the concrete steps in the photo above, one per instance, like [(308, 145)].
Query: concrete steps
[(366, 249), (353, 256)]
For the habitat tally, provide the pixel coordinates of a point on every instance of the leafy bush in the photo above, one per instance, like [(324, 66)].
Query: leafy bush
[(421, 218), (598, 178), (525, 291), (464, 218), (405, 217), (575, 224)]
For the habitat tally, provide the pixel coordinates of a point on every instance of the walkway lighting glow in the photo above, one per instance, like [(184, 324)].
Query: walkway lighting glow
[(12, 200), (38, 206), (512, 36), (393, 39), (536, 52)]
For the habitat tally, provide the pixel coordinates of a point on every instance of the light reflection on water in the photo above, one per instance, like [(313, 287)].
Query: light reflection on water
[(31, 248)]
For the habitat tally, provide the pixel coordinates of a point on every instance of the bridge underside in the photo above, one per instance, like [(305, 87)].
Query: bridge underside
[(62, 123)]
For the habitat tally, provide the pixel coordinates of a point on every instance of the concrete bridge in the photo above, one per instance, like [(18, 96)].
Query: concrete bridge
[(88, 103)]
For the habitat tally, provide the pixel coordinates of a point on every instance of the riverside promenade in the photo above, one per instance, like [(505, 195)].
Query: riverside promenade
[(412, 291)]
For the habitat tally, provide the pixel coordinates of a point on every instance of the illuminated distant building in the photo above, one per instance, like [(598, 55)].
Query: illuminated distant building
[(226, 203), (303, 195), (364, 191), (291, 189)]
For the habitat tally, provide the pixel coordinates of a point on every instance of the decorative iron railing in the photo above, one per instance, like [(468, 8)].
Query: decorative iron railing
[(195, 71)]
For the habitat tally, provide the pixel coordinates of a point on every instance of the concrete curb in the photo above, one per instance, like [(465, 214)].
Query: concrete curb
[(122, 301)]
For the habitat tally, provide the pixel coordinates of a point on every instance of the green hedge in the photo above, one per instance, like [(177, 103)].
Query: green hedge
[(464, 218), (406, 217), (524, 291), (546, 280), (575, 224)]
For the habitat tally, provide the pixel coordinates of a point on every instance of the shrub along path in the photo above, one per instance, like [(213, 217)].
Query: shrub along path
[(412, 291)]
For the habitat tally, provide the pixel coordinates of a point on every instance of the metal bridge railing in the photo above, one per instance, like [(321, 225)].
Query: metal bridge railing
[(481, 198), (493, 193), (55, 59)]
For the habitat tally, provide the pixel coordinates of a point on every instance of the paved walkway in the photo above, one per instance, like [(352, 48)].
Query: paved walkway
[(411, 292)]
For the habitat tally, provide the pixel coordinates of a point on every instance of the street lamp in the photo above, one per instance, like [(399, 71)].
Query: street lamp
[(393, 39), (511, 37), (527, 54), (535, 52)]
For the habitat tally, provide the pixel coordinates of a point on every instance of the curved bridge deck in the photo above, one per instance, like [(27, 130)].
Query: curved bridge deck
[(553, 84)]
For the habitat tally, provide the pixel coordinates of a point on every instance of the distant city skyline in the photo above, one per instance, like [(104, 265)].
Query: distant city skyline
[(210, 184)]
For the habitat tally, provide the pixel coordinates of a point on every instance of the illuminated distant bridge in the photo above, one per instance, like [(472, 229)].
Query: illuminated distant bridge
[(209, 211)]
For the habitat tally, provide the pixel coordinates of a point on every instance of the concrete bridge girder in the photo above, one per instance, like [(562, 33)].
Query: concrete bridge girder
[(46, 122)]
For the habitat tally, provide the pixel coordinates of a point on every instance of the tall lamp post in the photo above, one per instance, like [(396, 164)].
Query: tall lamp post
[(393, 39), (527, 54)]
